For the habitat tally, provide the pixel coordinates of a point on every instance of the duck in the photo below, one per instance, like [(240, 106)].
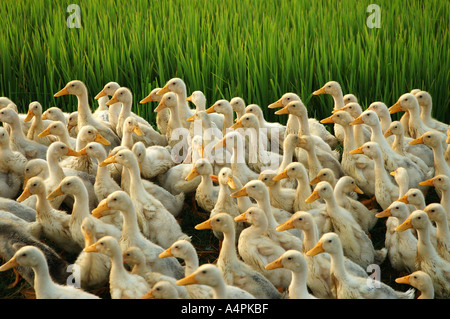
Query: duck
[(414, 197), (177, 86), (199, 100), (153, 160), (79, 89), (44, 286), (365, 217), (122, 284), (437, 214), (257, 250), (206, 194), (93, 267), (12, 167), (382, 111), (347, 285), (238, 105), (362, 133), (391, 159), (350, 98), (162, 290), (357, 166), (37, 125), (292, 125), (102, 110), (54, 113), (130, 126), (401, 246), (162, 117), (59, 130), (435, 140), (386, 191), (225, 203), (280, 197), (183, 249), (235, 141), (51, 223), (235, 271), (132, 236), (427, 258), (258, 191), (419, 154), (290, 142), (294, 261), (442, 184), (72, 124), (356, 243), (210, 274), (224, 108), (73, 186), (19, 142), (134, 257), (155, 221), (114, 109), (324, 175), (426, 106), (421, 281), (148, 134)]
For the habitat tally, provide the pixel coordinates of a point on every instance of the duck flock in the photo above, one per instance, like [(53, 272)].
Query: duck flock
[(292, 206)]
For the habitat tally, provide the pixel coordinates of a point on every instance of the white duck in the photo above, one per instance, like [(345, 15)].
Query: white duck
[(426, 107), (437, 214), (294, 261), (132, 237), (442, 185), (44, 286), (238, 105), (421, 281), (122, 284), (38, 124), (383, 114), (235, 271), (114, 109), (280, 197), (153, 161), (58, 129), (361, 132), (347, 285), (162, 117), (199, 100), (55, 114), (224, 108)]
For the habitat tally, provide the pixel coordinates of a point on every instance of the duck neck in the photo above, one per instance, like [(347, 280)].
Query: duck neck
[(84, 110), (183, 107), (298, 283), (175, 118), (424, 246), (130, 225), (380, 171), (338, 100), (228, 253), (331, 205), (349, 139), (220, 290), (117, 268), (303, 190), (136, 185), (81, 205), (337, 266), (227, 120), (398, 145), (42, 280), (191, 262), (303, 126), (314, 165), (441, 166), (127, 139), (16, 129), (425, 113), (65, 138), (264, 204), (288, 155), (42, 206), (385, 121), (311, 237), (55, 172)]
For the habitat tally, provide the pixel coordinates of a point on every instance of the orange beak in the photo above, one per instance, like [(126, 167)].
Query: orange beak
[(284, 110), (191, 118), (358, 120), (384, 213), (71, 152), (210, 110), (62, 92), (164, 90), (404, 226), (327, 120), (395, 108), (220, 144), (166, 253), (108, 160), (313, 197), (418, 140), (147, 99), (44, 132), (30, 115), (241, 218), (100, 139), (320, 91), (100, 94), (25, 194), (236, 125), (138, 130), (403, 280), (231, 183), (403, 199), (102, 206), (57, 192), (240, 193), (161, 106), (9, 264), (289, 224), (276, 104), (205, 225), (280, 176), (192, 174), (112, 101), (358, 150), (316, 250), (189, 280), (274, 264), (429, 182)]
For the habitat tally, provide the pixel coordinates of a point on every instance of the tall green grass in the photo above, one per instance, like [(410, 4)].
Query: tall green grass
[(256, 49)]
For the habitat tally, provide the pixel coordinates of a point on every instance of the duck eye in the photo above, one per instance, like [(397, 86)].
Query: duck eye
[(73, 85), (406, 99), (300, 218), (34, 185), (204, 271), (24, 255), (432, 210), (330, 240)]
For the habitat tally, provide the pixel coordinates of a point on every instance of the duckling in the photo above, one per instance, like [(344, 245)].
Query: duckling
[(427, 258), (296, 263), (235, 271), (44, 286), (349, 286)]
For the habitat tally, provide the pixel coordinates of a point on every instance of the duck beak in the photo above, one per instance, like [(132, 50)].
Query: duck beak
[(147, 99), (240, 193), (418, 140), (192, 174), (320, 91), (428, 182), (44, 117), (316, 250), (189, 280), (289, 224), (57, 192), (315, 180), (327, 120), (236, 125), (210, 110), (404, 226), (72, 152), (276, 104), (108, 160), (25, 194), (392, 173), (189, 98), (205, 225), (9, 264), (337, 110), (148, 295), (83, 151), (191, 118), (274, 264), (388, 133), (358, 190), (240, 218), (100, 94), (44, 132), (138, 130), (161, 106), (220, 144), (88, 239), (164, 90), (102, 207), (284, 110), (91, 249), (358, 150), (166, 253), (384, 213), (403, 280), (231, 183), (29, 116), (100, 139), (69, 127), (395, 108), (358, 120), (403, 199), (112, 101), (280, 176), (62, 92), (313, 197), (214, 178)]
